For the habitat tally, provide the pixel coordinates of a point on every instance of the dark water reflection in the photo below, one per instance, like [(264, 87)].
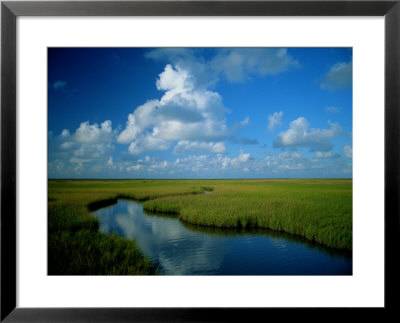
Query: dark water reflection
[(182, 249)]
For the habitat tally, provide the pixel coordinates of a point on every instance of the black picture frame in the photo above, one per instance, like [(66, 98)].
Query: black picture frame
[(10, 10)]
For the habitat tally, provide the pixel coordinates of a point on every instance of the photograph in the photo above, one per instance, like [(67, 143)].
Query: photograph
[(191, 161), (200, 161)]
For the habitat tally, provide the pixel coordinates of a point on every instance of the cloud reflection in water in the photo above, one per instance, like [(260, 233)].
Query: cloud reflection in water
[(180, 249)]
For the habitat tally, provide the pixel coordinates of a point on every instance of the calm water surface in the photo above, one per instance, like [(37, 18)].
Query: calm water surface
[(181, 249)]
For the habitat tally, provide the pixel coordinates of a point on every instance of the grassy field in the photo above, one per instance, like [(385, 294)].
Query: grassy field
[(317, 209), (75, 245)]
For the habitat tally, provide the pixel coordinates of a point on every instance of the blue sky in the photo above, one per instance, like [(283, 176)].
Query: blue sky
[(199, 112)]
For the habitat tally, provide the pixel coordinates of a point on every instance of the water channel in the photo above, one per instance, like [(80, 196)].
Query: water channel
[(178, 248)]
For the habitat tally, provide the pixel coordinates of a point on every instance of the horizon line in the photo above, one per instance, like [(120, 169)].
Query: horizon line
[(165, 179)]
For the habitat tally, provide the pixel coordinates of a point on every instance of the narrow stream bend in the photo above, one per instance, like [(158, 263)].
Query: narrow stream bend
[(182, 249)]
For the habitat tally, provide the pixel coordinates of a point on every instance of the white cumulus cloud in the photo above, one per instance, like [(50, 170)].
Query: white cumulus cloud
[(185, 146), (274, 119), (240, 161), (184, 113), (340, 76), (87, 133), (239, 64), (348, 151), (243, 157), (87, 149), (326, 155), (300, 134)]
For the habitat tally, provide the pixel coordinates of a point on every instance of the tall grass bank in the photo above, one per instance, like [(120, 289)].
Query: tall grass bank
[(319, 210)]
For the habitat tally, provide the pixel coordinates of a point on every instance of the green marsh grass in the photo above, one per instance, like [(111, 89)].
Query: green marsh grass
[(319, 210), (75, 245)]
